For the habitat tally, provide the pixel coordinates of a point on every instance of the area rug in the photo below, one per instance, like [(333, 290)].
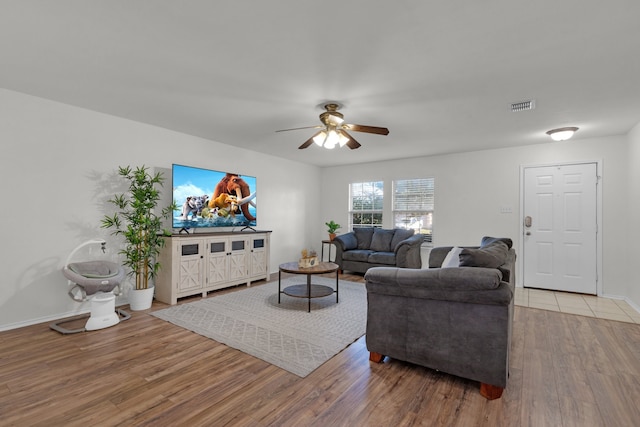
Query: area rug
[(285, 334)]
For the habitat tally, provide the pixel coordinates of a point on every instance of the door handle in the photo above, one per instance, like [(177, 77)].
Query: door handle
[(527, 221)]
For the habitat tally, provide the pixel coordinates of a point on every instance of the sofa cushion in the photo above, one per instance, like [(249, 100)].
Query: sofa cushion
[(491, 256), (381, 240), (452, 259), (363, 235), (399, 235), (486, 241), (360, 255), (386, 258)]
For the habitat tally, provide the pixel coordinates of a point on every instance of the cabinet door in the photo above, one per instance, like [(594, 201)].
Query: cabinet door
[(238, 258), (217, 261), (258, 256), (190, 265)]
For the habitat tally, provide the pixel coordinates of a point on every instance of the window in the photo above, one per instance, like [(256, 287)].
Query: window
[(365, 208), (413, 201)]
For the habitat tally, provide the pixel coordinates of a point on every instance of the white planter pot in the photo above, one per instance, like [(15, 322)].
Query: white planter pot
[(141, 299)]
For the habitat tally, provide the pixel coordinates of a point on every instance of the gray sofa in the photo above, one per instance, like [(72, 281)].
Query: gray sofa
[(368, 247), (457, 320)]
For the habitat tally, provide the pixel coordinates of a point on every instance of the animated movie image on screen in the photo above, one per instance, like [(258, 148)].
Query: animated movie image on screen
[(209, 198)]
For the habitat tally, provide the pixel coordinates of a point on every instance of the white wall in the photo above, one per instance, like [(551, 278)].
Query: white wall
[(470, 189), (57, 169), (633, 229)]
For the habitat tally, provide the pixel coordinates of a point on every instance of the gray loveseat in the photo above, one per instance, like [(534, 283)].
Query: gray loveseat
[(457, 320), (368, 247)]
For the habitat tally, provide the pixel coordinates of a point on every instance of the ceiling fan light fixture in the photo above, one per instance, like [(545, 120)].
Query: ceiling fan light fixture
[(336, 120), (320, 138), (332, 139), (333, 131), (562, 134), (342, 140)]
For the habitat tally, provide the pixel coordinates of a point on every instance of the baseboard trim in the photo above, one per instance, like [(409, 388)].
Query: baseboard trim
[(51, 318)]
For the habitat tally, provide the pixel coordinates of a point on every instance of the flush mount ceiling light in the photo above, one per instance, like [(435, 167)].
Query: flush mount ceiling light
[(562, 134)]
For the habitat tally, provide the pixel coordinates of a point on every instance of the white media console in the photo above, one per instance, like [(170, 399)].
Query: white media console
[(201, 262)]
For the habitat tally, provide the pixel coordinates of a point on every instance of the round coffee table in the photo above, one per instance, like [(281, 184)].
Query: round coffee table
[(307, 290)]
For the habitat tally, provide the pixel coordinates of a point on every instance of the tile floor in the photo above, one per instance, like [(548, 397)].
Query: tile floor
[(585, 305)]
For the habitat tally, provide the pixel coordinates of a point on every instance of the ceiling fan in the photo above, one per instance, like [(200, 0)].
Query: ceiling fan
[(333, 130)]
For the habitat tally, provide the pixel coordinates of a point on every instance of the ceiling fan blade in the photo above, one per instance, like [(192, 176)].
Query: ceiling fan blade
[(352, 143), (308, 142), (367, 129), (306, 127)]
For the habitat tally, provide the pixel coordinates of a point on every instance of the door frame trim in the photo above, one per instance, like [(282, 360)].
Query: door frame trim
[(521, 230)]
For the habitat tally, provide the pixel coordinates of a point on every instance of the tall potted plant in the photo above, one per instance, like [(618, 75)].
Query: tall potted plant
[(136, 220)]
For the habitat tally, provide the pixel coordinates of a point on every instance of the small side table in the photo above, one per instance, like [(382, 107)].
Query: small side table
[(326, 242)]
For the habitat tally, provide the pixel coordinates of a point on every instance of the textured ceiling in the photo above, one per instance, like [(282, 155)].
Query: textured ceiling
[(440, 75)]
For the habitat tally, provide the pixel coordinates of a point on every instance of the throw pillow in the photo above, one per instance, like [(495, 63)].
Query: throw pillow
[(381, 240), (491, 256), (399, 235), (452, 259), (363, 235), (486, 241)]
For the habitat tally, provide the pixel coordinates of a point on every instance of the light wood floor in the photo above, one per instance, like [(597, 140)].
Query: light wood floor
[(565, 370)]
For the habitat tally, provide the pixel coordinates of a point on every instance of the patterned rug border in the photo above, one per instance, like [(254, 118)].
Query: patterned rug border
[(285, 334)]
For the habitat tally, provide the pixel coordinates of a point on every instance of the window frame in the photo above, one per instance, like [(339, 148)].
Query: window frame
[(416, 201), (376, 202)]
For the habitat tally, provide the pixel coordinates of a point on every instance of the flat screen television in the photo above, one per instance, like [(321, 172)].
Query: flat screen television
[(209, 198)]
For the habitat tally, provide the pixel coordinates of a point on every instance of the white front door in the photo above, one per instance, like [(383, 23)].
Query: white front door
[(560, 228)]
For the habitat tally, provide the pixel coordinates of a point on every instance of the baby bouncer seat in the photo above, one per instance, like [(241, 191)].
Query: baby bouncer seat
[(98, 282)]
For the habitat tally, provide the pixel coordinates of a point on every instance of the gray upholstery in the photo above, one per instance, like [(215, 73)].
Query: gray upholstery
[(364, 237), (381, 240), (491, 256), (456, 320), (369, 247), (438, 254), (95, 276)]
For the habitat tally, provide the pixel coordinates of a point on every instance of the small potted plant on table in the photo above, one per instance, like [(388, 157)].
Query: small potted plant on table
[(332, 227)]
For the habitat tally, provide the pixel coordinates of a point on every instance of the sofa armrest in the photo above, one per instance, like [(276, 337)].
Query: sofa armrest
[(509, 267), (473, 285), (415, 240), (408, 252), (343, 243), (346, 242)]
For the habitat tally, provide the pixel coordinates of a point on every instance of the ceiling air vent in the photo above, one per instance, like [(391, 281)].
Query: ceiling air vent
[(524, 105)]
